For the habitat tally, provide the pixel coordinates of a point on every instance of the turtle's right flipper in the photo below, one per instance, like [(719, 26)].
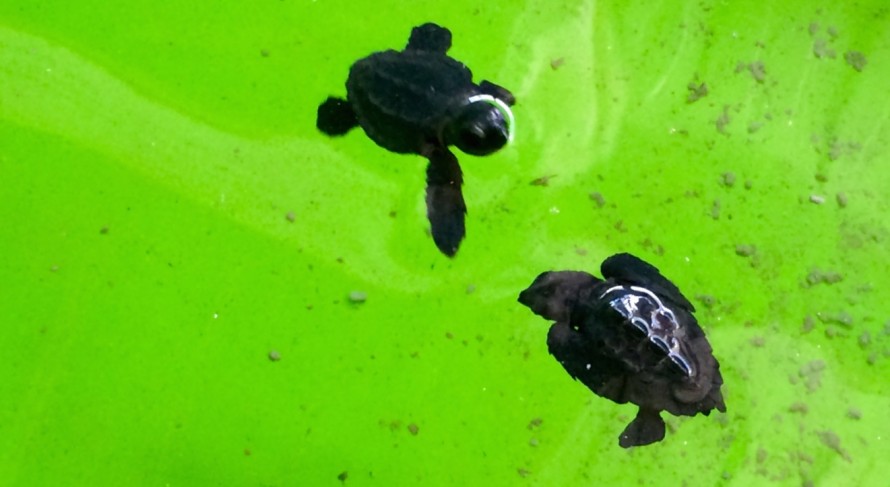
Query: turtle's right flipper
[(335, 116), (497, 91), (445, 205)]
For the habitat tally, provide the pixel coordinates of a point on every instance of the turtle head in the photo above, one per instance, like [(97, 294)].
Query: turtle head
[(482, 126), (554, 294)]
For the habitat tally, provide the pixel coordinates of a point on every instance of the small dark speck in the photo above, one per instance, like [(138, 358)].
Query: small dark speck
[(523, 472), (290, 216), (103, 231), (854, 413), (543, 180), (413, 429), (343, 476), (264, 52), (597, 197), (534, 423), (706, 300)]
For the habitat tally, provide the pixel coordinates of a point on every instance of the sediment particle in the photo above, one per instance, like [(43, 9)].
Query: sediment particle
[(723, 120), (715, 210), (274, 355), (799, 407), (696, 91), (728, 179), (758, 71), (808, 323), (865, 339), (597, 197), (811, 372), (817, 199), (761, 455), (832, 440), (290, 216), (856, 60), (745, 250), (821, 50), (842, 200), (413, 429), (358, 296), (854, 413)]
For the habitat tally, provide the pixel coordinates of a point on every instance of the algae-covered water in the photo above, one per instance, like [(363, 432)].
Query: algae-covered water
[(178, 244)]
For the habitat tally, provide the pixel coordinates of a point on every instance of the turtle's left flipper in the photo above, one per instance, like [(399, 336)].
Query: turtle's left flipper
[(335, 116), (445, 205), (646, 428), (497, 91)]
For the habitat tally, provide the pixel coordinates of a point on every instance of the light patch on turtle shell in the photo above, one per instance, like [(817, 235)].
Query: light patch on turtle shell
[(645, 311), (502, 107)]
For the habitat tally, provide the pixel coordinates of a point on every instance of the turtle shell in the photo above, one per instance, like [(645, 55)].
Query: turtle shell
[(631, 338), (643, 352), (403, 99)]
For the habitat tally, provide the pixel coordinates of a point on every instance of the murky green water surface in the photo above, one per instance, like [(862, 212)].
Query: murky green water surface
[(150, 153)]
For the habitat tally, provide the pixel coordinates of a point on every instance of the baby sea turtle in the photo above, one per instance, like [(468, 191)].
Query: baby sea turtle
[(420, 101), (630, 338)]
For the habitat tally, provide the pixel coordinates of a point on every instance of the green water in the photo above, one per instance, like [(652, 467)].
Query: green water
[(150, 152)]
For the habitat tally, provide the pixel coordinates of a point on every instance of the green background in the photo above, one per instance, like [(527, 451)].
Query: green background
[(150, 151)]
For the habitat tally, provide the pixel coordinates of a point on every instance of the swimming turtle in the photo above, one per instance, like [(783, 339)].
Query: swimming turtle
[(420, 101), (630, 338)]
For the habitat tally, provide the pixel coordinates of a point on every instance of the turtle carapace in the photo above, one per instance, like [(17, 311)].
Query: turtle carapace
[(421, 101), (630, 337)]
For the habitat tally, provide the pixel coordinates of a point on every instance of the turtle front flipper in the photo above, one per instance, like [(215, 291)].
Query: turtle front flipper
[(646, 428), (445, 205), (497, 91), (335, 116), (633, 270), (430, 37)]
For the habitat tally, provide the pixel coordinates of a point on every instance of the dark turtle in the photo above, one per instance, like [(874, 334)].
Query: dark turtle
[(420, 101), (630, 338)]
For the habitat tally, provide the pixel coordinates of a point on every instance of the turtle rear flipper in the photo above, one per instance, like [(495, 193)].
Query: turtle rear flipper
[(430, 37), (646, 428), (335, 116), (445, 205)]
